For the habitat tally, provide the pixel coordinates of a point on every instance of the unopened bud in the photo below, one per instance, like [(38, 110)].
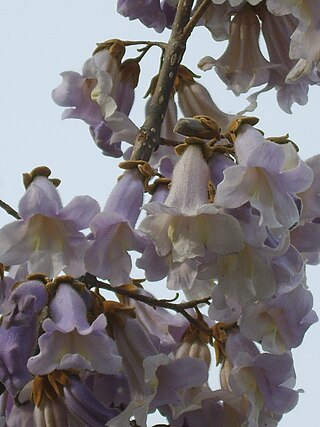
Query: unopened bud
[(188, 126), (196, 348), (224, 375)]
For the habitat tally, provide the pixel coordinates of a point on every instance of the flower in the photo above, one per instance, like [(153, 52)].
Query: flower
[(242, 66), (113, 231), (186, 226), (69, 341), (18, 331), (47, 236), (291, 33), (267, 175), (102, 95), (150, 12), (264, 380)]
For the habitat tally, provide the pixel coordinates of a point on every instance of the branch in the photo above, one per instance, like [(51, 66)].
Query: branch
[(9, 209), (148, 137), (195, 17), (181, 308)]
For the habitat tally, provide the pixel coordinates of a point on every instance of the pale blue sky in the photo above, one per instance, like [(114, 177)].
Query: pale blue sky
[(40, 39)]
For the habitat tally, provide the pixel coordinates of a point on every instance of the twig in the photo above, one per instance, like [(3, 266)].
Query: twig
[(148, 137), (162, 45), (9, 209), (181, 308), (169, 142), (195, 17)]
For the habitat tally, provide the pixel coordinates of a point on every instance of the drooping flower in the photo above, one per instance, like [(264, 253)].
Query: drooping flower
[(242, 66), (264, 380), (186, 226), (267, 175), (103, 93), (150, 12), (75, 91), (195, 100), (305, 39), (113, 231), (48, 235), (18, 331), (279, 323), (155, 378), (159, 322), (69, 341), (289, 29), (58, 399)]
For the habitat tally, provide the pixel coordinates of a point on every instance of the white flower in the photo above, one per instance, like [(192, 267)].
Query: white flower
[(186, 226)]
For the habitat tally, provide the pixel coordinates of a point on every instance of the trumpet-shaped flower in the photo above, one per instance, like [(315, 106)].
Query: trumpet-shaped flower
[(305, 39), (69, 341), (58, 399), (194, 100), (155, 379), (113, 231), (48, 235), (104, 91), (18, 332), (186, 227), (268, 175), (279, 323), (242, 66), (277, 31), (75, 91), (150, 12), (264, 379)]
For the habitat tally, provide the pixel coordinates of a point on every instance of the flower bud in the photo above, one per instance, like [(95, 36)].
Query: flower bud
[(196, 348)]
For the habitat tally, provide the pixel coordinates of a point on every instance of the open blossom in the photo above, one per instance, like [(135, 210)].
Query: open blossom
[(291, 32), (242, 66), (249, 274), (103, 92), (18, 332), (58, 399), (48, 235), (69, 341), (264, 380), (150, 12), (310, 198), (186, 226), (277, 32), (75, 91), (305, 39), (113, 231), (267, 175), (155, 379), (233, 220), (279, 323), (158, 322), (306, 236)]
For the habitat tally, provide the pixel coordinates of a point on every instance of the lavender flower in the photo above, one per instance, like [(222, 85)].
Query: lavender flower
[(48, 235)]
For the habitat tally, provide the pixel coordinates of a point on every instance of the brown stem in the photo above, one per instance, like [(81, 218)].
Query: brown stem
[(9, 209), (181, 308), (162, 45), (148, 137), (195, 17)]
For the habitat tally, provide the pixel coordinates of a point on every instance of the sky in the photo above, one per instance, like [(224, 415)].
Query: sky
[(40, 39)]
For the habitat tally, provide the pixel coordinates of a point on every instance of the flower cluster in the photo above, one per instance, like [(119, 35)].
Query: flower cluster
[(234, 228), (290, 30), (217, 211), (290, 64)]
